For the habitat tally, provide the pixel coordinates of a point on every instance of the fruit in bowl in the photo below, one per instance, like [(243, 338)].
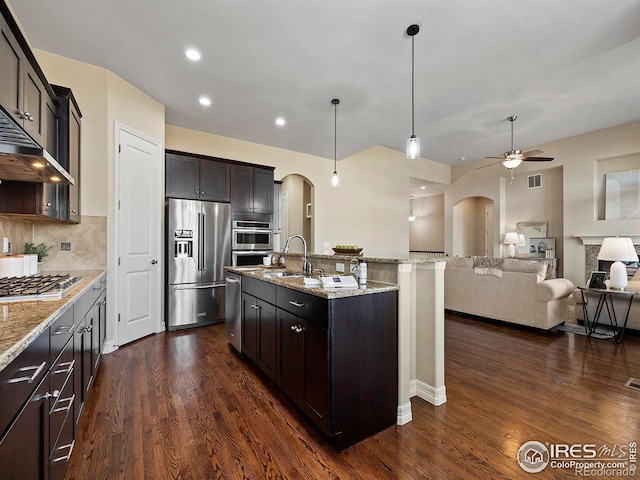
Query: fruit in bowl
[(347, 249)]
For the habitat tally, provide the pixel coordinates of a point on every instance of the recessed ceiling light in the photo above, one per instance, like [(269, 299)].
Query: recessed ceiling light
[(205, 101), (193, 54), (280, 121), (423, 187)]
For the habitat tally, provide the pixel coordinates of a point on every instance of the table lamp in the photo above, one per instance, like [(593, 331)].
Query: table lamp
[(618, 250), (512, 239)]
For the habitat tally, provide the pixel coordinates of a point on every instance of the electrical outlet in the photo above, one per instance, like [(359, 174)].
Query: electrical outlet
[(340, 267), (65, 246)]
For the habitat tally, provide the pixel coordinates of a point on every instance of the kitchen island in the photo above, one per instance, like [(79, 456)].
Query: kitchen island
[(333, 352), (420, 318)]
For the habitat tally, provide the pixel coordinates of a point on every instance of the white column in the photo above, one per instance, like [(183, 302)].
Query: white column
[(429, 337), (405, 346)]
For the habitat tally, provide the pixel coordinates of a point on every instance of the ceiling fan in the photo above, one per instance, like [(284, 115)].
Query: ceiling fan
[(513, 158)]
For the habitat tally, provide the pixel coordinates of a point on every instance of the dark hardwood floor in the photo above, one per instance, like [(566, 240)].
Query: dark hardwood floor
[(183, 405)]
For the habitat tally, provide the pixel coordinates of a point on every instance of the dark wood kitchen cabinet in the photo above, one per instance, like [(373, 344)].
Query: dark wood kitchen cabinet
[(24, 93), (259, 325), (195, 177), (336, 359), (69, 134), (251, 189)]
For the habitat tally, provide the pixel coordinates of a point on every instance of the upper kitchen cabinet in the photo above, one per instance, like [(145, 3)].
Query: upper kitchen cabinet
[(68, 153), (196, 177), (24, 94), (251, 189)]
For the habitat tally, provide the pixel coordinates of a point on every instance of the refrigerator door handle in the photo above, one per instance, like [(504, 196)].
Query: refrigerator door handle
[(202, 234), (200, 246)]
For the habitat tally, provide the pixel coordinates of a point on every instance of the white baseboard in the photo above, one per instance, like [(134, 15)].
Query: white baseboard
[(404, 414), (109, 347), (435, 396)]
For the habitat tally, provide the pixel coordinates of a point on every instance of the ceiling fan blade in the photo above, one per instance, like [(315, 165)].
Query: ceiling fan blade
[(488, 165), (537, 159), (531, 153), (500, 156)]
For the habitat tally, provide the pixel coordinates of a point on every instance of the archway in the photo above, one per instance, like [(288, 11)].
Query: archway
[(296, 212), (473, 227)]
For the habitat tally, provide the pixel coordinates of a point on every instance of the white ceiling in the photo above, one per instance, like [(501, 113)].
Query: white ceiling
[(564, 67)]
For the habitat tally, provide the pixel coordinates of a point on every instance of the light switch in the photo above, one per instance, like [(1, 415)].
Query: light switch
[(340, 267)]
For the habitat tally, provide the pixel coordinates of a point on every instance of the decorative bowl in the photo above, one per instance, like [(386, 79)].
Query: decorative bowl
[(347, 251)]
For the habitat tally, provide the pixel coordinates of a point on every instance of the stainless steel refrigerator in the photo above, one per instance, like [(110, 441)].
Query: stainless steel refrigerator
[(198, 248)]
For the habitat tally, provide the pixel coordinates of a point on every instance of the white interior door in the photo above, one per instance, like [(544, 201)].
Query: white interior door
[(139, 217)]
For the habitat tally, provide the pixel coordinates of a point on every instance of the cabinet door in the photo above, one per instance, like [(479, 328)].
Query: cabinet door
[(50, 202), (241, 188), (262, 190), (314, 361), (214, 181), (24, 450), (266, 352), (87, 355), (249, 327), (12, 61), (182, 176), (74, 165), (78, 371), (287, 371), (34, 101)]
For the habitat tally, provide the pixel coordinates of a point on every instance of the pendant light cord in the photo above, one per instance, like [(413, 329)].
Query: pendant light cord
[(413, 129), (335, 137)]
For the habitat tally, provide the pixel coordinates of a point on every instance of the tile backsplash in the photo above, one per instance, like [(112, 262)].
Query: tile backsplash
[(88, 241)]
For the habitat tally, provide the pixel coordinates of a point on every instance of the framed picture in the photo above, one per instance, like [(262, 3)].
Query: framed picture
[(596, 280), (538, 246)]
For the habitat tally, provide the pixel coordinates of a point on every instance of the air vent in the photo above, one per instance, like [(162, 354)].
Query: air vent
[(633, 383), (535, 181)]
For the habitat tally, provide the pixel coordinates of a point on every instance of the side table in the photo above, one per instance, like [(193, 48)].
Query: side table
[(605, 299)]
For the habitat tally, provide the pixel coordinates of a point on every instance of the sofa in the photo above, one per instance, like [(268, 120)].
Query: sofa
[(516, 291), (619, 303)]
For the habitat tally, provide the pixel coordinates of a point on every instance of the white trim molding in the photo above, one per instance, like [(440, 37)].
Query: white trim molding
[(435, 396), (404, 414), (597, 239)]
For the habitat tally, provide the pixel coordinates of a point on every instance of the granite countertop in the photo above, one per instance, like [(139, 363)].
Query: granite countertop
[(375, 258), (297, 283), (22, 322)]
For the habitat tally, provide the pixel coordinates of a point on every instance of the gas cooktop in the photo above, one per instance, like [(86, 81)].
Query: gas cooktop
[(45, 287)]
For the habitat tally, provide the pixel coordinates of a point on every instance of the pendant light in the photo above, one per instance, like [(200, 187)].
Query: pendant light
[(334, 177), (413, 143)]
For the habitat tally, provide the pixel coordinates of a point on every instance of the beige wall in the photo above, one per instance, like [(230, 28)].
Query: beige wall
[(426, 232), (541, 204)]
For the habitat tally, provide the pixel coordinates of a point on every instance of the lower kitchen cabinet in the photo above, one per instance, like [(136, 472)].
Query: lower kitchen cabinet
[(44, 389), (336, 359)]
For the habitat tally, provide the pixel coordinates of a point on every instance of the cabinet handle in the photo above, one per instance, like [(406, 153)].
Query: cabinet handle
[(68, 368), (198, 192), (296, 304), (88, 329), (48, 204), (38, 371), (61, 330), (68, 407), (74, 211), (66, 457), (293, 328), (27, 116)]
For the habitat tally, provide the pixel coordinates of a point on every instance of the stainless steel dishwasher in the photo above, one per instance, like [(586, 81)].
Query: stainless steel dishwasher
[(233, 309)]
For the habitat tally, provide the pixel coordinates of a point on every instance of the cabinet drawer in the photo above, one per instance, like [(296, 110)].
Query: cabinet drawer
[(263, 290), (86, 301), (61, 374), (310, 307), (62, 406), (20, 378), (61, 332)]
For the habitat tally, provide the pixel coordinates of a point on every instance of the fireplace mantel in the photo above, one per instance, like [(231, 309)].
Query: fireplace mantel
[(597, 239)]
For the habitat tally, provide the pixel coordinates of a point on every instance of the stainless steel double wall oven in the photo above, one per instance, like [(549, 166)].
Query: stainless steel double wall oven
[(252, 239)]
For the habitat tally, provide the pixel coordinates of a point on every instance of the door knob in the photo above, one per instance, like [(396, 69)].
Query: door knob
[(154, 261)]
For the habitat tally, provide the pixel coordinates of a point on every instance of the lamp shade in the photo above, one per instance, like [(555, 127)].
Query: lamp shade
[(511, 238), (618, 250)]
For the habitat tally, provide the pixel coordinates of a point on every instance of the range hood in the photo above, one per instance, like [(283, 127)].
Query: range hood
[(23, 160)]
